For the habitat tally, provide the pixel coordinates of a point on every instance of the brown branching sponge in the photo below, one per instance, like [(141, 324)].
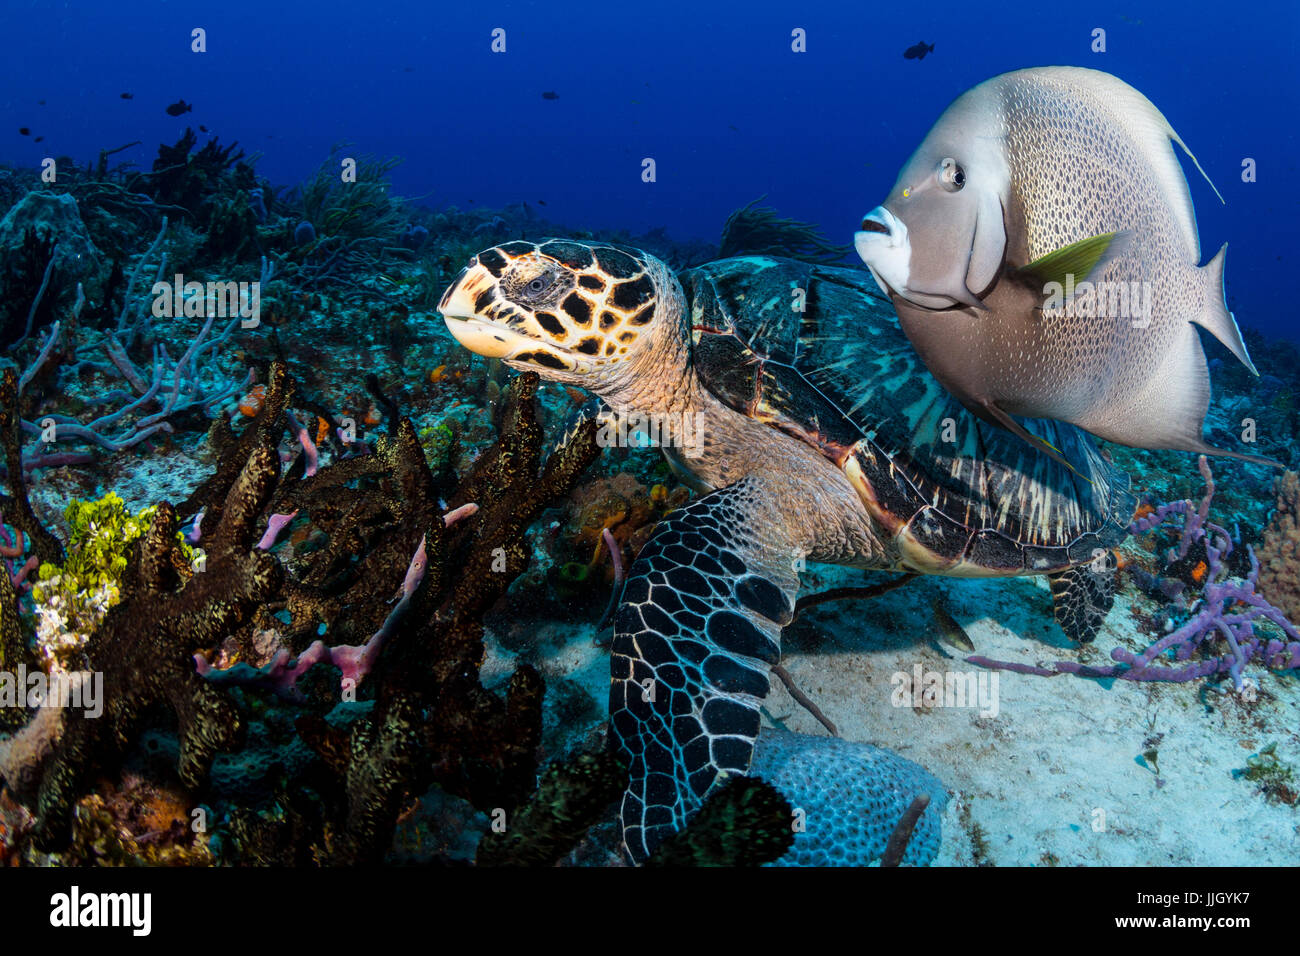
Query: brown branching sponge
[(14, 650), (1279, 552), (746, 822), (433, 721), (18, 510), (571, 798), (264, 431), (146, 643), (755, 230)]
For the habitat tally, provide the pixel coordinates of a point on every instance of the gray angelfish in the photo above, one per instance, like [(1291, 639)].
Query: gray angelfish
[(1041, 251)]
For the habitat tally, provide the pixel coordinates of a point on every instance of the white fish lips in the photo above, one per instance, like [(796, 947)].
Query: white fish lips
[(888, 255)]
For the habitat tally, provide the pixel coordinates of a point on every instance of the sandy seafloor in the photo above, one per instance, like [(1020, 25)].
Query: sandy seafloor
[(1033, 777)]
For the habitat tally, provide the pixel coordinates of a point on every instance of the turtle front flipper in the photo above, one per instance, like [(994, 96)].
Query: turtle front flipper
[(1082, 595), (697, 632)]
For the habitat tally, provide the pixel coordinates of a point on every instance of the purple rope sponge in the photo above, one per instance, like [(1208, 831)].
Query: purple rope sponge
[(1224, 609)]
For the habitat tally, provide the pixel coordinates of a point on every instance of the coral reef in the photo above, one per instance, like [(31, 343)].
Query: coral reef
[(1224, 611), (427, 720), (368, 629), (71, 600), (145, 644), (1279, 552)]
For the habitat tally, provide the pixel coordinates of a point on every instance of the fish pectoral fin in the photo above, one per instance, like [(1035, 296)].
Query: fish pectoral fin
[(1077, 261), (1047, 448)]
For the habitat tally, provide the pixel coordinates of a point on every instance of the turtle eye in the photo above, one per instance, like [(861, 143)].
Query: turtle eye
[(951, 176), (537, 286)]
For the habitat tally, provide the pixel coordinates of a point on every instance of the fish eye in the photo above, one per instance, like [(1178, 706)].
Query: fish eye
[(951, 176)]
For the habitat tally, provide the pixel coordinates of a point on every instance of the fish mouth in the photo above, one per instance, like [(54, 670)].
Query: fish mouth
[(882, 243)]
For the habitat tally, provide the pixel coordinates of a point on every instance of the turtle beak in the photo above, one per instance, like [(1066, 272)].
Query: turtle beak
[(460, 310)]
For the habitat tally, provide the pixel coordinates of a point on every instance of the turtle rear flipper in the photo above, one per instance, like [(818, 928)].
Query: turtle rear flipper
[(1081, 596), (697, 632)]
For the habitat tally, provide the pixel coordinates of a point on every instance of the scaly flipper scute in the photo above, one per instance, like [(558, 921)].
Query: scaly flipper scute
[(1082, 595), (697, 633)]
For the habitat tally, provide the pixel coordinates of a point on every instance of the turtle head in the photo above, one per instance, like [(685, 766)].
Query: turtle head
[(574, 312)]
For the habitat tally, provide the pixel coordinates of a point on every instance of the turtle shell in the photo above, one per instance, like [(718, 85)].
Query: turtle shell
[(817, 352)]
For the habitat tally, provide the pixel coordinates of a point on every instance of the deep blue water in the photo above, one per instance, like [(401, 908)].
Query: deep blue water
[(710, 90)]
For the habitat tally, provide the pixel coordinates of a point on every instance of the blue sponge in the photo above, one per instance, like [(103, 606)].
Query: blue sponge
[(851, 795)]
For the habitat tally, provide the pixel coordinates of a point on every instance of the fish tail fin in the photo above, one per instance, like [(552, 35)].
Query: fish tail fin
[(931, 47), (1215, 317), (1170, 411)]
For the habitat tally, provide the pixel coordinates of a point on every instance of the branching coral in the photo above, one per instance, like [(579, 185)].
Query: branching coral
[(356, 223), (166, 391)]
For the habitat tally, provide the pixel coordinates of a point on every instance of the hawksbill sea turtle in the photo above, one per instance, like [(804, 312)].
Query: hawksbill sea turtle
[(818, 435)]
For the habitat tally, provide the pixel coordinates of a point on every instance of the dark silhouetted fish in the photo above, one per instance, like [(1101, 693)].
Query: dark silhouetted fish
[(24, 131), (918, 52), (39, 139), (950, 632), (550, 95), (202, 128), (127, 96), (179, 107), (541, 202)]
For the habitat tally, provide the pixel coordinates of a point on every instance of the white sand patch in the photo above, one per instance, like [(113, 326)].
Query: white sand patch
[(1057, 776)]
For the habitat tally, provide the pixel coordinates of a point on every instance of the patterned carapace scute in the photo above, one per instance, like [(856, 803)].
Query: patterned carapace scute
[(817, 352)]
